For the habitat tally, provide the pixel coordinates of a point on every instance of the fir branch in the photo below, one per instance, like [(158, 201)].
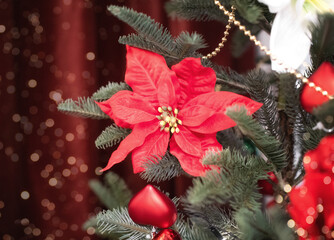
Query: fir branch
[(92, 223), (200, 10), (114, 193), (230, 138), (322, 48), (146, 27), (83, 107), (250, 10), (257, 225), (261, 90), (254, 226), (187, 44), (109, 90), (235, 183), (119, 221), (214, 218), (325, 114), (267, 144), (111, 136), (159, 169), (190, 231)]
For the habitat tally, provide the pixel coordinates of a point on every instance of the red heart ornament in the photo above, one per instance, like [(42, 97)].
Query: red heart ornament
[(167, 234), (152, 207)]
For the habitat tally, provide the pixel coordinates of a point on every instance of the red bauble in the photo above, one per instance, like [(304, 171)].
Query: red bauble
[(266, 187), (152, 207), (167, 234), (324, 78)]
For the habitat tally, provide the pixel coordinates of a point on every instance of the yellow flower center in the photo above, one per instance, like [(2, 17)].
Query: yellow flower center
[(168, 119)]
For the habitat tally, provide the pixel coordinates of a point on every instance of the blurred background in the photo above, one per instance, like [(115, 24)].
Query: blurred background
[(51, 51)]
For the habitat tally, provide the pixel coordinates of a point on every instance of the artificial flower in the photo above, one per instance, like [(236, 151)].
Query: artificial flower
[(311, 206), (311, 202), (290, 37), (321, 159), (175, 107)]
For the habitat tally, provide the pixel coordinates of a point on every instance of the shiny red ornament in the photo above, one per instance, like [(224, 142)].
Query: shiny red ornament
[(152, 207), (167, 234), (324, 78), (266, 187)]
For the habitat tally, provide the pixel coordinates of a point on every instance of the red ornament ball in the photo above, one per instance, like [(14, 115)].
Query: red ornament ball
[(152, 207), (324, 78), (167, 234)]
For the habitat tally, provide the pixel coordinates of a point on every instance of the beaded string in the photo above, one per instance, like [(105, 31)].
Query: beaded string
[(264, 49), (224, 39)]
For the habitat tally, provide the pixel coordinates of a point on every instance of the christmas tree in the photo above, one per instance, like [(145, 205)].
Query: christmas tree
[(258, 146)]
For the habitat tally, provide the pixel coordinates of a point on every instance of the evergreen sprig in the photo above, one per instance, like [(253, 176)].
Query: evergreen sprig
[(109, 90), (148, 30), (267, 144), (112, 135), (119, 221), (256, 225), (191, 231), (163, 168), (83, 107), (322, 48), (235, 183), (200, 10), (212, 217), (115, 192)]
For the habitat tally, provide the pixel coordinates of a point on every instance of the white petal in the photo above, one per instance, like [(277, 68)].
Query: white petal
[(276, 5), (289, 41)]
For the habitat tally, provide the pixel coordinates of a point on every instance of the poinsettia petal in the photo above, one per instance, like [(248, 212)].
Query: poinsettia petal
[(218, 101), (130, 107), (105, 107), (189, 163), (144, 70), (192, 164), (166, 93), (194, 79), (195, 115), (214, 124), (155, 145), (135, 139), (187, 141)]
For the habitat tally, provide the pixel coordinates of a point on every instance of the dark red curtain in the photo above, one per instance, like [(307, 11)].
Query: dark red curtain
[(51, 51)]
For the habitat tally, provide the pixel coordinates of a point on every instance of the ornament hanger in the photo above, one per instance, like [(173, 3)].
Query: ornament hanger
[(231, 19)]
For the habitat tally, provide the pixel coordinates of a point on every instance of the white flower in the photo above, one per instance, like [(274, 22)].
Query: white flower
[(290, 38)]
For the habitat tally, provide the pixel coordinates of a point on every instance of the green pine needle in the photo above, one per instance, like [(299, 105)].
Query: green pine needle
[(200, 10), (119, 221), (109, 90), (83, 107), (115, 192), (159, 169), (146, 27), (236, 182), (322, 48), (111, 136), (267, 144)]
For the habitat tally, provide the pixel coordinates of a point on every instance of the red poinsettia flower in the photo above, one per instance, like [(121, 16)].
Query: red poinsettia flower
[(321, 159), (176, 107), (312, 206)]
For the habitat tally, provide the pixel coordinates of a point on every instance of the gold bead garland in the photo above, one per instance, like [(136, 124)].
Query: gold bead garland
[(224, 39), (264, 49)]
